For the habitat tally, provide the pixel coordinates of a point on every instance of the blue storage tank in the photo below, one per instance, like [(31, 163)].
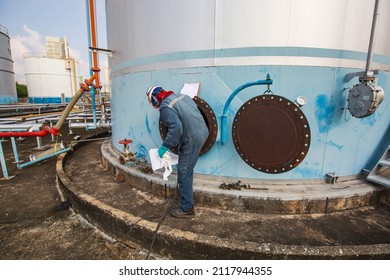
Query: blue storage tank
[(298, 123)]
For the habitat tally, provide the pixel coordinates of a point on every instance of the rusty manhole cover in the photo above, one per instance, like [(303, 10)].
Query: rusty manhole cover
[(271, 134), (211, 122)]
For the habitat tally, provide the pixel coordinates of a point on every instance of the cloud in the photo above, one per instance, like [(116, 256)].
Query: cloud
[(83, 66), (29, 41), (33, 40)]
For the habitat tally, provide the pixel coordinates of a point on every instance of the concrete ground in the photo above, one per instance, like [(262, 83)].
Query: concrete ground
[(128, 203), (32, 224)]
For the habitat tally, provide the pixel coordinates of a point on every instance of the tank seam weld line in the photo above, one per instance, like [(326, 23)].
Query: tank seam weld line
[(252, 51), (6, 58), (2, 70)]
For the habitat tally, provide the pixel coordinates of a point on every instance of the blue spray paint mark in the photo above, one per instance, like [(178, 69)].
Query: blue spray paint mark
[(131, 133), (147, 125), (333, 144), (307, 173), (324, 113), (371, 119)]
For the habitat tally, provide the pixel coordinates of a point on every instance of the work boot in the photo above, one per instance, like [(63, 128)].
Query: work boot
[(179, 213)]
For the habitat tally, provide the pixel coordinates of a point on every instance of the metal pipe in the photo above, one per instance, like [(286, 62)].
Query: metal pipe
[(54, 130), (93, 104), (267, 81), (73, 118), (43, 132), (89, 34), (141, 153), (2, 161), (94, 35), (15, 150), (72, 102), (370, 53), (40, 144), (24, 133), (52, 136), (76, 118), (21, 166), (20, 127), (94, 42), (90, 125), (89, 24), (25, 106)]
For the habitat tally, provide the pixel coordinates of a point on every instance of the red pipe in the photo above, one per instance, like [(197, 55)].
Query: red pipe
[(43, 132), (95, 67)]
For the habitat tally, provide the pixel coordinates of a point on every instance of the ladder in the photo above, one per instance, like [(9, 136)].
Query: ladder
[(380, 174)]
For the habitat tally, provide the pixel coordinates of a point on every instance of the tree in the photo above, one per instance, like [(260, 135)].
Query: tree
[(21, 90)]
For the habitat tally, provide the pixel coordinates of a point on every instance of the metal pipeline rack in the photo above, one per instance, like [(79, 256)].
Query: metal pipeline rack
[(83, 117)]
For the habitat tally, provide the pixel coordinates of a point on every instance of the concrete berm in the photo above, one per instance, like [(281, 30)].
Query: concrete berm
[(252, 220)]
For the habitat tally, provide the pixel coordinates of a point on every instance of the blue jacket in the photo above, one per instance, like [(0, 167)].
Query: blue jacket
[(186, 127)]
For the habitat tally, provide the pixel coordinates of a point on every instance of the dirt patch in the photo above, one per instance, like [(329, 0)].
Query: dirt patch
[(30, 225)]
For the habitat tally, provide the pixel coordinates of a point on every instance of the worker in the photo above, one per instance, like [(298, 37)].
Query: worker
[(186, 130)]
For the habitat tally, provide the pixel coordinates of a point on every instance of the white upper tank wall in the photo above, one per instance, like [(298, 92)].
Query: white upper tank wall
[(333, 24), (135, 28), (49, 77), (138, 24)]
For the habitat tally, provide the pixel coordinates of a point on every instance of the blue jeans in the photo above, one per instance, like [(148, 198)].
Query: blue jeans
[(188, 156)]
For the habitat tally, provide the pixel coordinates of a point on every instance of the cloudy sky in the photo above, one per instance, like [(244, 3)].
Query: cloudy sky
[(29, 21)]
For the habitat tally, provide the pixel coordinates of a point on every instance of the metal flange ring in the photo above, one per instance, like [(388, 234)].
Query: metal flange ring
[(271, 134), (211, 122), (120, 177)]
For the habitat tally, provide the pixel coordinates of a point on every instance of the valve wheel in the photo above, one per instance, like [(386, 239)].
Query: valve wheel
[(125, 141)]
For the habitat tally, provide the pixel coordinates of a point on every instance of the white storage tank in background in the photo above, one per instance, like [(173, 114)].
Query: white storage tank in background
[(7, 75), (51, 77)]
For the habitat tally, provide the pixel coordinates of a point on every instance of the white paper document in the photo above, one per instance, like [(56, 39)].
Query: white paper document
[(166, 162), (190, 89)]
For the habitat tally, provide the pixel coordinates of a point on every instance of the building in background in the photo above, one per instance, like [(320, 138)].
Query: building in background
[(7, 75), (51, 77)]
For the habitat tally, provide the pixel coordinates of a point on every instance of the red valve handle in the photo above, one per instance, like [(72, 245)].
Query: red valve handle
[(125, 141)]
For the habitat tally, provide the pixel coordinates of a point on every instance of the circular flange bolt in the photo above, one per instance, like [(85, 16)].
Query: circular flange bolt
[(120, 177), (122, 160)]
